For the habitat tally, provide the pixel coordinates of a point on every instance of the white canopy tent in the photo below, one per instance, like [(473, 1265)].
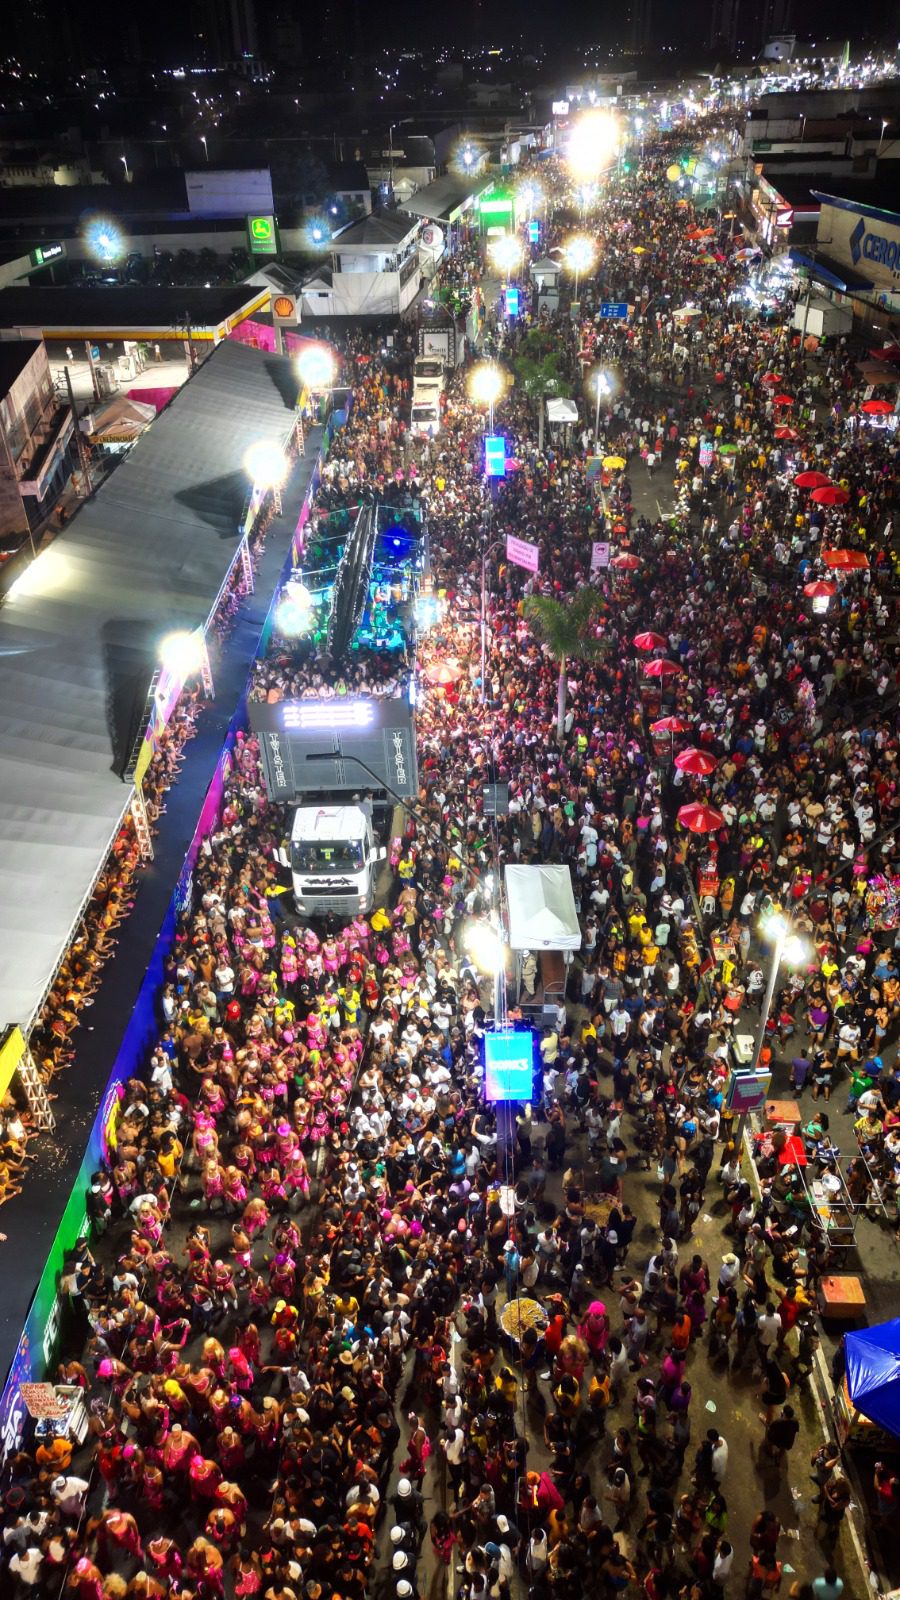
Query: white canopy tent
[(559, 410), (541, 908)]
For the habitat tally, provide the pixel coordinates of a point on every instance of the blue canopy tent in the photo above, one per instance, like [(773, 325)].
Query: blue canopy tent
[(873, 1373)]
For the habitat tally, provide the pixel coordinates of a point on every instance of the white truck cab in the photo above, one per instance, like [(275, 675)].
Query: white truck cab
[(428, 386), (333, 858)]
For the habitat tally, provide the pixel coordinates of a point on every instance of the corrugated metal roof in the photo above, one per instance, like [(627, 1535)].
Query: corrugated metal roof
[(79, 642)]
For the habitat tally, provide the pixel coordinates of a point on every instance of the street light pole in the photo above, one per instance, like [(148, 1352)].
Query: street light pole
[(777, 954), (486, 551)]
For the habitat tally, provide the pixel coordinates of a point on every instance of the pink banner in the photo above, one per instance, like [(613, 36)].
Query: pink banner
[(157, 398), (521, 553)]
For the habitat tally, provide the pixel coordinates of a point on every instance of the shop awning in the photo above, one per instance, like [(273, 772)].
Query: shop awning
[(825, 270), (541, 908), (446, 199)]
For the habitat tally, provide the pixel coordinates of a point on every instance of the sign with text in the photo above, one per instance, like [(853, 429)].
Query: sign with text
[(328, 744), (534, 231), (42, 253), (593, 467), (262, 235), (522, 554), (747, 1091), (41, 1400), (496, 799), (614, 308), (599, 555), (495, 456), (512, 301)]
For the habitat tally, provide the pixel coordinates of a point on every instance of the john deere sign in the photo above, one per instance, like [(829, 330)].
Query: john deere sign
[(262, 235)]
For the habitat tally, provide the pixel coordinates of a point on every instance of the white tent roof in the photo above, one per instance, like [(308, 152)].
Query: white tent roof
[(542, 913), (562, 411)]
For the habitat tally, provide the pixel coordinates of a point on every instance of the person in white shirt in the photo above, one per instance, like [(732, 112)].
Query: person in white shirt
[(69, 1494)]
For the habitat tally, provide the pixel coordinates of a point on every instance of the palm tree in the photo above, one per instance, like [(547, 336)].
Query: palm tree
[(568, 629)]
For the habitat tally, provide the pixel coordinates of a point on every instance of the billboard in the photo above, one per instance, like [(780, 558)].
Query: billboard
[(495, 455), (328, 745), (509, 1066), (230, 193)]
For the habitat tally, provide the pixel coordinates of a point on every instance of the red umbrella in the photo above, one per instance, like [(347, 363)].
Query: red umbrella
[(670, 725), (700, 819), (830, 494), (820, 590), (649, 641), (662, 668), (845, 560), (698, 762), (886, 352), (780, 433), (877, 408), (626, 562), (812, 480), (784, 400), (772, 378)]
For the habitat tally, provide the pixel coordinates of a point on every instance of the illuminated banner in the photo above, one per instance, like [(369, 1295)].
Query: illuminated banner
[(320, 744), (495, 456), (522, 554)]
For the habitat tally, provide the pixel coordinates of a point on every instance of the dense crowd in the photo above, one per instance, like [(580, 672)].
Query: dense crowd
[(311, 1221)]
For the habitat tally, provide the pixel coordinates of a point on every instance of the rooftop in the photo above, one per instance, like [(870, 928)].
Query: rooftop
[(115, 306), (15, 355), (79, 642), (383, 230)]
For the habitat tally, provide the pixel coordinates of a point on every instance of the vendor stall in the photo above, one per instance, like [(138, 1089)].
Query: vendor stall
[(544, 933), (867, 1404)]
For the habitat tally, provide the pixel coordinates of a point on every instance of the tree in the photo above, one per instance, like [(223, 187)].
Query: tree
[(569, 630), (539, 372)]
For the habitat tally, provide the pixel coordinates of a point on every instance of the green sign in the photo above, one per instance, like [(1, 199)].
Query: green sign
[(42, 253), (262, 235)]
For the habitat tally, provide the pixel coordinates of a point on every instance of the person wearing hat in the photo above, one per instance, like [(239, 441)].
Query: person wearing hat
[(408, 1503)]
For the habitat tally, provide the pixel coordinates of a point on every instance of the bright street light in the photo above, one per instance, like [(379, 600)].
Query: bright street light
[(786, 946), (593, 144), (266, 463), (267, 467), (316, 367), (104, 239), (505, 252), (484, 945), (486, 385), (182, 653), (602, 387), (579, 256), (124, 161), (205, 145)]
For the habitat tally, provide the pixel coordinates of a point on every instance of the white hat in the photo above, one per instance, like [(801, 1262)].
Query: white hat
[(396, 1535), (399, 1560), (404, 1488)]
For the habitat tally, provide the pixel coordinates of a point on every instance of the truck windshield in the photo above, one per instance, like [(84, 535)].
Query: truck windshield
[(345, 855)]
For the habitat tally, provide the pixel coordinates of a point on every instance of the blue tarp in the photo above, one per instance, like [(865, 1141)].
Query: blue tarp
[(873, 1373)]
